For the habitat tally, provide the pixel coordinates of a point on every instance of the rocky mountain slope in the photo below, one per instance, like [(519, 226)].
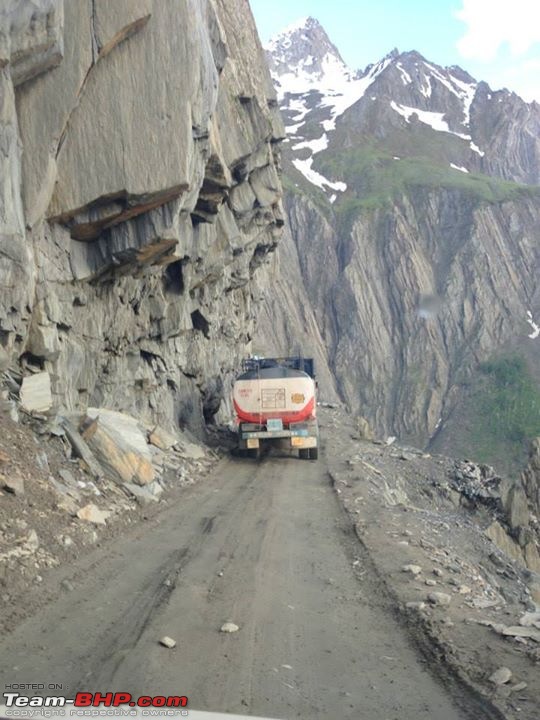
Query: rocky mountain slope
[(140, 194), (414, 217)]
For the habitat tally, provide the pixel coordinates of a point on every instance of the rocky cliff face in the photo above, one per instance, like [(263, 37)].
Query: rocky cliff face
[(531, 477), (140, 193), (294, 294), (410, 221)]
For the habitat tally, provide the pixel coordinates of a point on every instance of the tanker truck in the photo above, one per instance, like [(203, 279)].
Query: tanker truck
[(275, 403)]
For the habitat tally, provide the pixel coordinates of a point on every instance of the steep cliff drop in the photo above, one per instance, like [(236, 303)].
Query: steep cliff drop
[(411, 246)]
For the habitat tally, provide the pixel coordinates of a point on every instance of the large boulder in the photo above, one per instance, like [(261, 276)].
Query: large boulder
[(498, 535), (363, 429), (531, 476), (36, 393), (119, 445)]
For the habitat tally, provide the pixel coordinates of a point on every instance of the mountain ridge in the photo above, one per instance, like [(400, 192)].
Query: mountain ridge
[(446, 100), (408, 186), (310, 24)]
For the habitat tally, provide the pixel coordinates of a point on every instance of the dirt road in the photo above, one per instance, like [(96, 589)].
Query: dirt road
[(263, 545)]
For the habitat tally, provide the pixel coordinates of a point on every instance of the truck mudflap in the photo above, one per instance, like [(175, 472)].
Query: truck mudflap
[(304, 442)]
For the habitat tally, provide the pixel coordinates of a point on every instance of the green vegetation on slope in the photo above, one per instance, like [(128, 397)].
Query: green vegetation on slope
[(374, 178), (504, 412)]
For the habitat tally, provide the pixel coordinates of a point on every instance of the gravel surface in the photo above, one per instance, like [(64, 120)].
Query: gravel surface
[(266, 548), (356, 586)]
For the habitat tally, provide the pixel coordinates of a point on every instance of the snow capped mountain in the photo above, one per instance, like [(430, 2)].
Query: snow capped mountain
[(297, 42), (303, 60), (309, 75), (322, 99), (313, 83)]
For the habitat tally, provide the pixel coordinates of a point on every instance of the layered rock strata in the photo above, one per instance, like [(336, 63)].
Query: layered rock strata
[(140, 194)]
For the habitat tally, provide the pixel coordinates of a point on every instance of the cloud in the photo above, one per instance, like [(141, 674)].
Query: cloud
[(492, 24), (522, 77)]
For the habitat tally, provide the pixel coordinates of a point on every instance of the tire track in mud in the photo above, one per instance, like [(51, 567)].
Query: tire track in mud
[(122, 636)]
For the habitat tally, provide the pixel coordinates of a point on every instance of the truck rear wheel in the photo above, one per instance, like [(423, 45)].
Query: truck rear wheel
[(303, 454), (314, 453)]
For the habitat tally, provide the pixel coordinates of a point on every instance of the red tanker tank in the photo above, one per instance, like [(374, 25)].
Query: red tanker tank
[(275, 400)]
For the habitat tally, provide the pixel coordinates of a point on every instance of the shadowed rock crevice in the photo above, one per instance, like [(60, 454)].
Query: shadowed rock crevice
[(200, 323), (173, 278), (213, 193)]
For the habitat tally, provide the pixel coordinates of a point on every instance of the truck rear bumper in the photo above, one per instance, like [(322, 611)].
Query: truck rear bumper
[(295, 442), (299, 437), (266, 434)]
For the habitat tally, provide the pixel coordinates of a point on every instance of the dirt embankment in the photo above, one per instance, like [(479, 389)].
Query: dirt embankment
[(427, 524), (53, 511)]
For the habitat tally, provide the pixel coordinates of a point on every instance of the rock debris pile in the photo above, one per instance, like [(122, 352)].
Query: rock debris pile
[(455, 545)]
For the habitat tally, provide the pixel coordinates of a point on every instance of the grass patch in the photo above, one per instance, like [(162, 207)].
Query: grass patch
[(505, 411), (376, 179)]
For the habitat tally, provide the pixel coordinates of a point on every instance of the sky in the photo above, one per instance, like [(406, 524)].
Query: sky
[(494, 40)]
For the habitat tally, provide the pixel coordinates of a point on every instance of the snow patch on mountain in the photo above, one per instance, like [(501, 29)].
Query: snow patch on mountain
[(299, 107), (433, 119), (333, 78), (339, 86), (321, 70), (468, 91), (535, 328), (459, 167), (476, 149), (350, 94), (464, 91), (293, 129), (304, 166), (426, 89), (284, 36), (404, 74), (314, 145)]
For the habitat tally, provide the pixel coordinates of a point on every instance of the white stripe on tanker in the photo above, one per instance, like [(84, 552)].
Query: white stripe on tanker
[(274, 397)]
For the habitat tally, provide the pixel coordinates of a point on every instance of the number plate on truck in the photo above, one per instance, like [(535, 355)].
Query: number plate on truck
[(274, 424), (252, 443)]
